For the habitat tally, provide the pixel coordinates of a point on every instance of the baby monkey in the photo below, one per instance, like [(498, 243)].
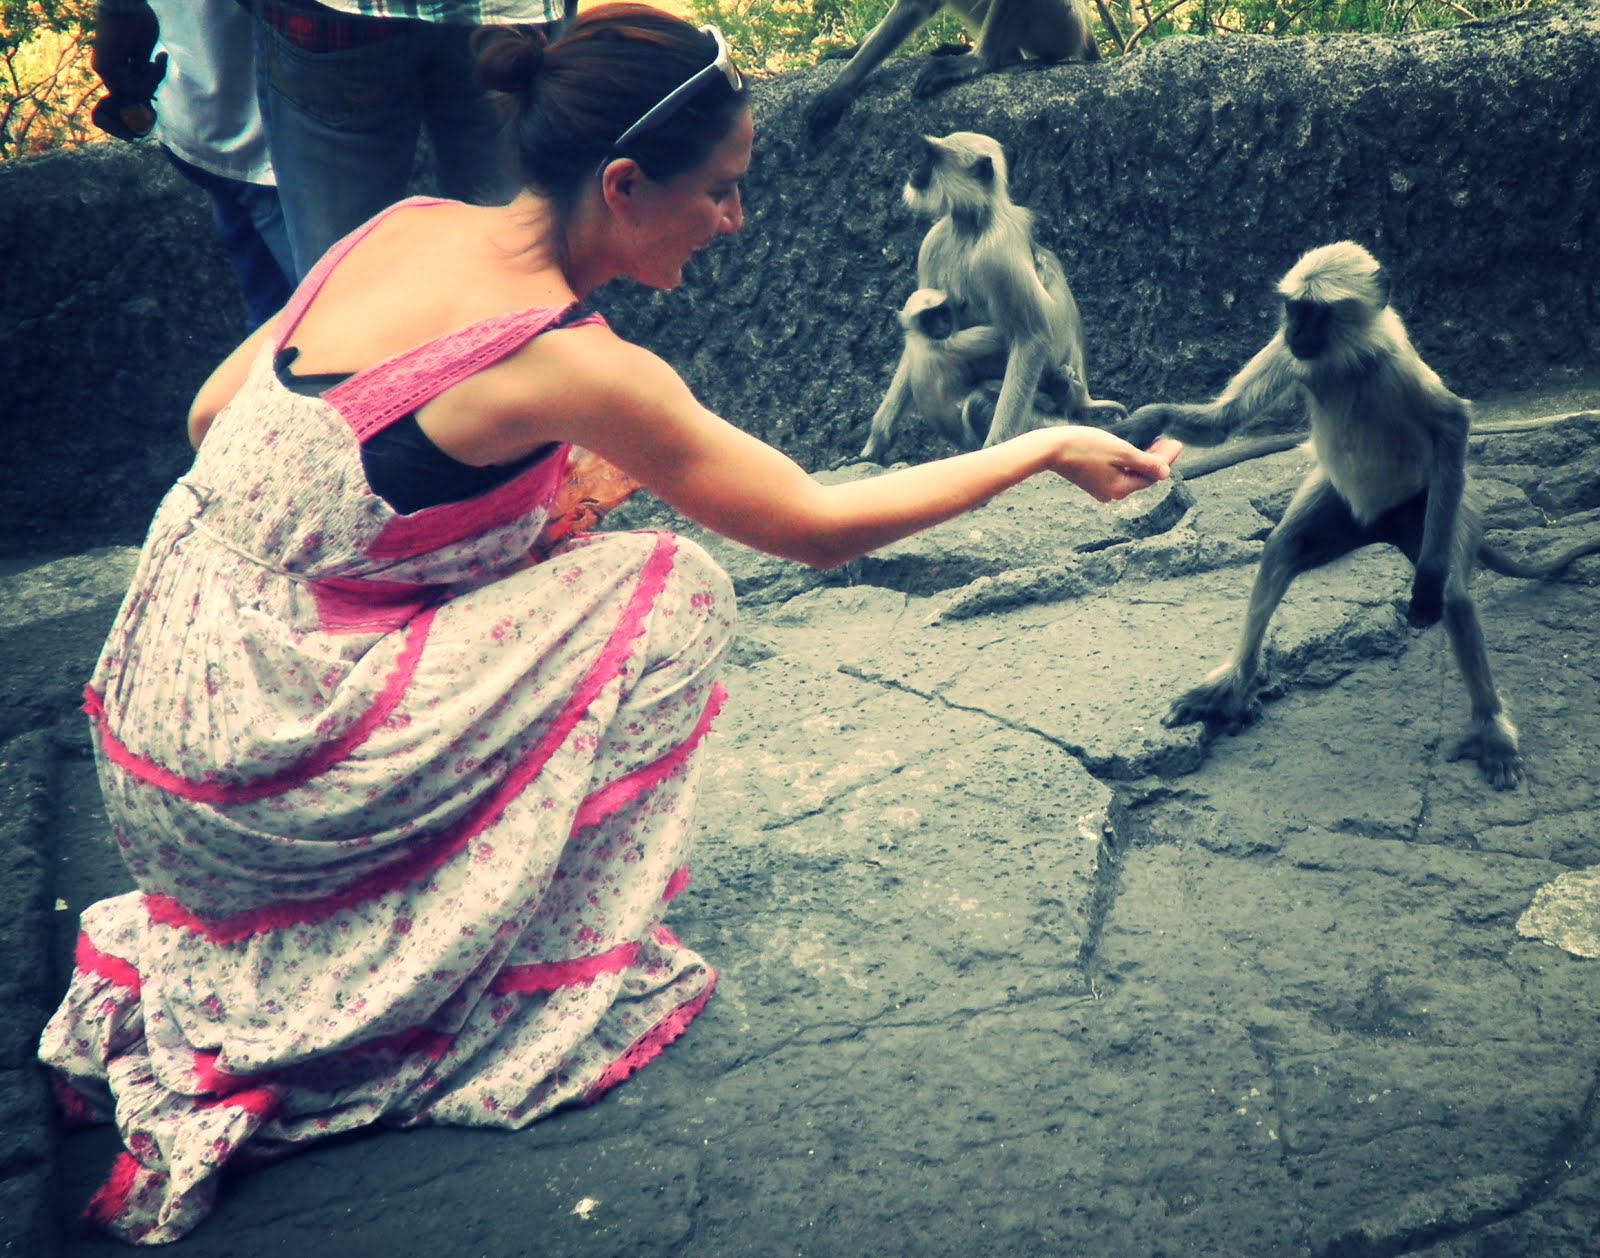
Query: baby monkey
[(1390, 442)]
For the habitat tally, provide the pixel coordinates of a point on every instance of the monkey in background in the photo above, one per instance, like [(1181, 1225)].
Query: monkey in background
[(981, 253), (953, 373), (1390, 442), (1009, 31), (944, 365)]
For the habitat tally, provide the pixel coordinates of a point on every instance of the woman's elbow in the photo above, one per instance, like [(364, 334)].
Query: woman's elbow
[(821, 551), (199, 425)]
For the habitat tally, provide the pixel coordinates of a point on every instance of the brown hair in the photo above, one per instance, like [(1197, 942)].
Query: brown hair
[(565, 102)]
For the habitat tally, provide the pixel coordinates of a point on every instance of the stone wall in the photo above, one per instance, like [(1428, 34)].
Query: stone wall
[(1176, 184)]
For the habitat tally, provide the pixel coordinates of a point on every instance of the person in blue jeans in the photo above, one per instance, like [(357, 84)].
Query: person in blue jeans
[(347, 94), (185, 69)]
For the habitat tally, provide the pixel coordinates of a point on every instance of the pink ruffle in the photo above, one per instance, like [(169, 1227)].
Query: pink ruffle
[(91, 960), (604, 802), (213, 790), (550, 976), (649, 1045), (166, 911)]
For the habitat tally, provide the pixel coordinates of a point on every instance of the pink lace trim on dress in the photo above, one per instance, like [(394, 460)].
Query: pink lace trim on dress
[(374, 398), (166, 911), (212, 790), (434, 527), (675, 884), (357, 605), (112, 1199), (103, 965), (624, 790), (649, 1045), (549, 976)]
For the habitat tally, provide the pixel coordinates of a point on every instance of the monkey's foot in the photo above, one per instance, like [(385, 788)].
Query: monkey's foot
[(1494, 746), (1225, 702), (823, 114), (942, 73)]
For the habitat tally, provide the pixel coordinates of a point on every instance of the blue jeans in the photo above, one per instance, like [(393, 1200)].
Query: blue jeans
[(345, 99), (250, 224)]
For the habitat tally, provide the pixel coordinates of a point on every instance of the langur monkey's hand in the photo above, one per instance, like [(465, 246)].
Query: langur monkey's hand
[(1104, 466), (1145, 424)]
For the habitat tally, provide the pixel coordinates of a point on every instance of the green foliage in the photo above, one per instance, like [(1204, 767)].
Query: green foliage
[(1311, 17), (46, 85), (771, 36), (776, 35)]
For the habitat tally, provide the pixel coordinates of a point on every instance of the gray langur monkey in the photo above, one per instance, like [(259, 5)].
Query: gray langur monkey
[(980, 251), (944, 364), (1390, 442), (1009, 31)]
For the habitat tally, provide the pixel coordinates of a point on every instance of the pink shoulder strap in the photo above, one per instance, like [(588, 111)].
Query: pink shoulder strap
[(373, 399), (309, 287)]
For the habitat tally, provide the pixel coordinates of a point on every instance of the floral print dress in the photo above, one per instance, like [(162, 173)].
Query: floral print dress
[(403, 808)]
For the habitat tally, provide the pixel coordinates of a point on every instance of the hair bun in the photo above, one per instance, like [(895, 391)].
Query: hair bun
[(509, 60)]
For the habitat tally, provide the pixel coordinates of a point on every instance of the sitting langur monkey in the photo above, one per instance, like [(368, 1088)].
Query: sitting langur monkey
[(981, 253), (953, 373), (1390, 442), (1009, 31), (944, 365)]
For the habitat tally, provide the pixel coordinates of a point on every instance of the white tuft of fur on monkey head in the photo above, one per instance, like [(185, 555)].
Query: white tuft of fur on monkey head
[(1335, 273)]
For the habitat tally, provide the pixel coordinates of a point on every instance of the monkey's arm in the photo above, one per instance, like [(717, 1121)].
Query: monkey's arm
[(890, 410), (1441, 520), (903, 17), (1258, 384), (1019, 290), (980, 341), (1013, 409)]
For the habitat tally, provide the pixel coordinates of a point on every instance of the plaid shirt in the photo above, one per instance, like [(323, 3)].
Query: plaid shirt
[(455, 12)]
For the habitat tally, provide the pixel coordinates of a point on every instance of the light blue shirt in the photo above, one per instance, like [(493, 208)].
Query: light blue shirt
[(206, 107)]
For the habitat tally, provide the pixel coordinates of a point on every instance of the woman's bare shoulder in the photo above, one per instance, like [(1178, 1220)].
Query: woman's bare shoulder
[(591, 361)]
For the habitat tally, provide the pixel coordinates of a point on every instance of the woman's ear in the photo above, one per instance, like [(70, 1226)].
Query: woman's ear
[(619, 181)]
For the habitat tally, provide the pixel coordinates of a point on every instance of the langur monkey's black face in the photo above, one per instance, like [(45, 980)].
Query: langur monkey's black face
[(937, 322), (929, 314), (1306, 325), (960, 169)]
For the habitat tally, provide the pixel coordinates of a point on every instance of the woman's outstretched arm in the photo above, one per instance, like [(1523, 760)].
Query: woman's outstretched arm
[(642, 417)]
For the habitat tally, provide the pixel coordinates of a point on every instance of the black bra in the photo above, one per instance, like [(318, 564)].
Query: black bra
[(402, 466)]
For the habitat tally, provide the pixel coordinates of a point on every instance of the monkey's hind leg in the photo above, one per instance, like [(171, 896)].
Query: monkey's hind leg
[(1316, 528), (1226, 699), (1491, 739)]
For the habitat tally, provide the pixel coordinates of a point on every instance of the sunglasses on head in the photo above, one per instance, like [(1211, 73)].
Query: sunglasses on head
[(680, 96)]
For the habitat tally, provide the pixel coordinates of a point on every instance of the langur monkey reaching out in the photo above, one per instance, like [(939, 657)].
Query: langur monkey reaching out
[(1390, 442), (1009, 31), (981, 254)]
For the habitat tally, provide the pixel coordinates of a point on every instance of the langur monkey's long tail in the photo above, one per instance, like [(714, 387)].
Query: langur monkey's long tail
[(1505, 565)]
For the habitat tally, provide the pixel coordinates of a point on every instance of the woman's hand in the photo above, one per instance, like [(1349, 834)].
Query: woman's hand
[(1106, 467)]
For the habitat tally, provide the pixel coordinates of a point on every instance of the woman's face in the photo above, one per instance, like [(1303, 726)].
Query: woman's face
[(682, 215)]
